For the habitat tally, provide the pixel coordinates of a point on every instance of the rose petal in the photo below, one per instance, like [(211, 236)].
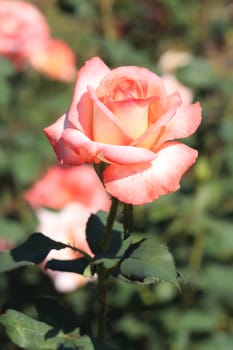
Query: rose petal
[(84, 115), (133, 114), (143, 183), (88, 151), (106, 126), (184, 123), (172, 84), (151, 136), (53, 133), (90, 74), (147, 83)]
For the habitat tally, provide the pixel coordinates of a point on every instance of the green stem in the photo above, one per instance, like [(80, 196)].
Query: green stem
[(109, 225), (103, 274), (102, 295), (127, 219)]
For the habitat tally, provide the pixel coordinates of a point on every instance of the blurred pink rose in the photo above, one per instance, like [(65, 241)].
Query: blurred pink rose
[(125, 118), (76, 192), (62, 185), (25, 37), (23, 30), (68, 226), (56, 60)]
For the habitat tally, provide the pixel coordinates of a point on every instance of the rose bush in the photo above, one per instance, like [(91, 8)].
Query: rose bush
[(25, 37), (124, 118)]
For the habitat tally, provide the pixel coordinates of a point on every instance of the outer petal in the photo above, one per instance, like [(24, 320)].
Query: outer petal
[(91, 74), (54, 133), (173, 84), (88, 151), (151, 136), (184, 123), (143, 183)]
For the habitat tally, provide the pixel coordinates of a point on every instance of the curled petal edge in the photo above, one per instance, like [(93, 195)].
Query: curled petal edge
[(88, 151)]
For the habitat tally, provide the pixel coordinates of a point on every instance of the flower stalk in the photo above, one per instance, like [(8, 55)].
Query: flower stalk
[(103, 274)]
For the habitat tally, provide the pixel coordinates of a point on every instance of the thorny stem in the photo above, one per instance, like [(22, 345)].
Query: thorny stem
[(103, 274)]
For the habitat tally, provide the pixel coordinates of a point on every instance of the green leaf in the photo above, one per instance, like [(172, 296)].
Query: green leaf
[(33, 251), (111, 260), (148, 261), (95, 230), (61, 318), (75, 265), (94, 233), (31, 334)]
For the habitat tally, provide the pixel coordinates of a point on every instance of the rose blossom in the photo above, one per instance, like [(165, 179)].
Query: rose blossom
[(56, 60), (62, 185), (76, 192), (124, 118), (25, 37), (23, 30)]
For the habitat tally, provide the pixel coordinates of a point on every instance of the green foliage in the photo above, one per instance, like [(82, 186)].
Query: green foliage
[(35, 335), (148, 261), (33, 251), (198, 74)]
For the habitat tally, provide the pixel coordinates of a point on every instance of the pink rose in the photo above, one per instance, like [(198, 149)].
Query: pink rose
[(23, 30), (63, 185), (68, 226), (56, 60), (125, 119), (25, 37), (75, 192)]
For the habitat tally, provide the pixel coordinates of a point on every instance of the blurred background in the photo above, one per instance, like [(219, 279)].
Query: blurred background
[(193, 42)]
